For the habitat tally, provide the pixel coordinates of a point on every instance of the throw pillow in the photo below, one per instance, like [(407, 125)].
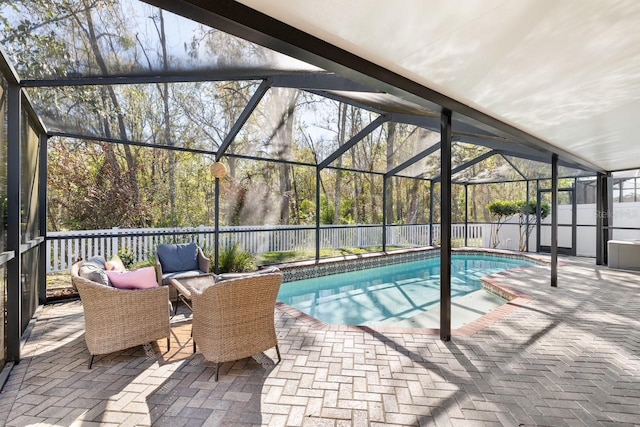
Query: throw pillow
[(180, 257), (143, 278), (92, 271), (115, 264), (99, 259)]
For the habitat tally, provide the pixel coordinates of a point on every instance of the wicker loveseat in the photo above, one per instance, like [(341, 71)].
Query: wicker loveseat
[(234, 319), (117, 319)]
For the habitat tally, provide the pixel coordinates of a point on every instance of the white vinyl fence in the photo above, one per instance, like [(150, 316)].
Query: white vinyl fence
[(64, 248)]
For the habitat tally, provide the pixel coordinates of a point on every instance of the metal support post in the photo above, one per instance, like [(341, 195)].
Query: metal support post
[(526, 219), (608, 218), (317, 213), (466, 215), (14, 285), (385, 183), (431, 213), (554, 220), (216, 230), (445, 226), (603, 212), (42, 212), (538, 216)]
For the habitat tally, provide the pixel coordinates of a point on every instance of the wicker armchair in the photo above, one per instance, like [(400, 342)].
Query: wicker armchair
[(234, 319), (117, 319), (179, 261)]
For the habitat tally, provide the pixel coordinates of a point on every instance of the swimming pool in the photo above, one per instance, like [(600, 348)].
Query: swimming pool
[(391, 293)]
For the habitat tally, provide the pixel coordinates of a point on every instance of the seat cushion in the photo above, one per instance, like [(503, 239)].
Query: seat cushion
[(166, 277), (182, 257)]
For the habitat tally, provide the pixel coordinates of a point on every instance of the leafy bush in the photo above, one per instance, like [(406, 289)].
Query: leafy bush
[(233, 259), (127, 256), (545, 208), (503, 209)]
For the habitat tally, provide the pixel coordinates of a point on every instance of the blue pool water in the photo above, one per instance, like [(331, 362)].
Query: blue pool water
[(392, 293)]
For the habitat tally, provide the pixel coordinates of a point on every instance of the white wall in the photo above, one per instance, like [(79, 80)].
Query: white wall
[(623, 215)]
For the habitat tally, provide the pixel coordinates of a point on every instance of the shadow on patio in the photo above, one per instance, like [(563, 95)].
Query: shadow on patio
[(567, 358)]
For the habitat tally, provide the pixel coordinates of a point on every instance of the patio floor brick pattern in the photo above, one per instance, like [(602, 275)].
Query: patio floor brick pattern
[(569, 356)]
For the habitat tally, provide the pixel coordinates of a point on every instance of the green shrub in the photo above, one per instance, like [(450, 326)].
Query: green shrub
[(127, 256), (233, 259)]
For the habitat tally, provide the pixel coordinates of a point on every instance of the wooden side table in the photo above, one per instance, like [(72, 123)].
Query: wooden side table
[(184, 285)]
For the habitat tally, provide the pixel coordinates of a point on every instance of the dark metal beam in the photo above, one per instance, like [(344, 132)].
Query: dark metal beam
[(347, 101), (433, 124), (554, 220), (435, 147), (7, 69), (505, 147), (308, 80), (132, 143), (445, 227), (353, 141), (319, 81), (36, 121), (14, 267), (244, 116), (354, 170), (197, 76), (468, 164), (514, 167)]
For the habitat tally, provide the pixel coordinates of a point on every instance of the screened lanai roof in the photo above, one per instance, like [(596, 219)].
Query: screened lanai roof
[(565, 72), (558, 65), (169, 48)]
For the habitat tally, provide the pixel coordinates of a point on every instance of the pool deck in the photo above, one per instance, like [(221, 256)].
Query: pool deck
[(566, 356), (464, 310)]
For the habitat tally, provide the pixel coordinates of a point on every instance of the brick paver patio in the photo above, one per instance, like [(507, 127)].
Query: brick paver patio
[(567, 357)]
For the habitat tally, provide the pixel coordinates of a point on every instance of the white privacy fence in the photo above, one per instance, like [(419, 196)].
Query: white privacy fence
[(65, 247)]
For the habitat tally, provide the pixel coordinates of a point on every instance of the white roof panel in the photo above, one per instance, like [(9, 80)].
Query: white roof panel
[(566, 71)]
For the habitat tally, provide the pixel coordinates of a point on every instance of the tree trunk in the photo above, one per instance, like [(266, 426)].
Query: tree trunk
[(131, 162), (342, 123), (414, 205), (168, 140), (391, 139), (284, 139)]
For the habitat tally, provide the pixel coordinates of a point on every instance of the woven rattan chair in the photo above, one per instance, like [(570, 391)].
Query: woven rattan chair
[(183, 260), (234, 319), (117, 319)]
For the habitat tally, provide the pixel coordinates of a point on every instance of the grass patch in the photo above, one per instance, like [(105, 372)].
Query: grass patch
[(292, 256), (59, 280)]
